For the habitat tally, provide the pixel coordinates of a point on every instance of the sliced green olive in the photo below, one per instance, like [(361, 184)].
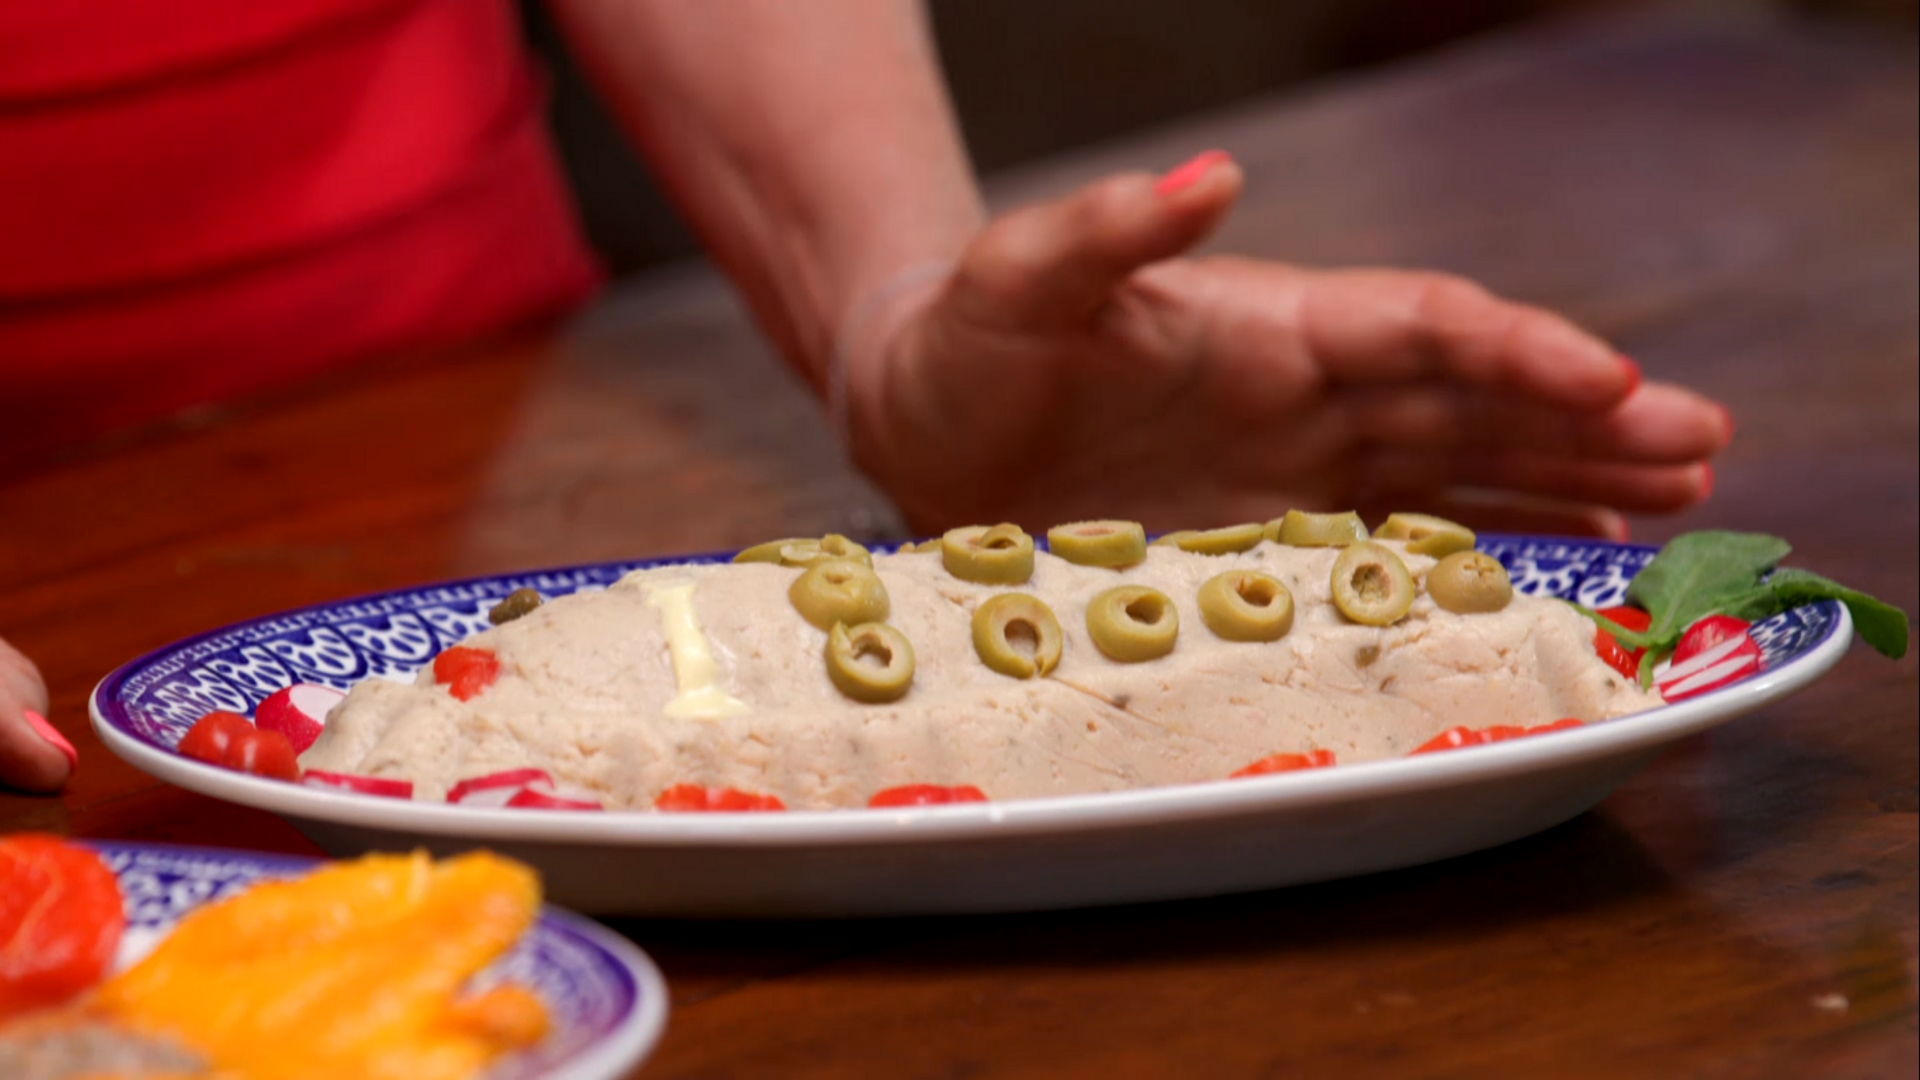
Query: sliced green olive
[(1270, 532), (1371, 585), (1246, 605), (1227, 541), (1112, 544), (1001, 555), (871, 662), (1470, 583), (1301, 529), (1017, 635), (924, 547), (1171, 539), (517, 603), (1132, 623), (805, 551), (839, 591), (1426, 534), (769, 552)]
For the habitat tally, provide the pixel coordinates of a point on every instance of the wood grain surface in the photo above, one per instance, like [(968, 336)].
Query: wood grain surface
[(1734, 206)]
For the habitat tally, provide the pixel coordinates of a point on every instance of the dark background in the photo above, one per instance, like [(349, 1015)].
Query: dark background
[(1034, 77)]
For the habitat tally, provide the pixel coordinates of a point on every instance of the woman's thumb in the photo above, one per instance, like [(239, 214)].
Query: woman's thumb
[(1056, 263)]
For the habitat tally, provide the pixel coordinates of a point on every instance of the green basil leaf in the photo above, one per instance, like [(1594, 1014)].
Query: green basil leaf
[(1696, 573), (1757, 603), (1879, 624)]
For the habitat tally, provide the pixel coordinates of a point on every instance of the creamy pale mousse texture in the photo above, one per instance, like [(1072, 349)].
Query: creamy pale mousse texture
[(709, 675)]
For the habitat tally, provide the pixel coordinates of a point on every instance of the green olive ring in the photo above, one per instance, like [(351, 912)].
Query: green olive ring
[(871, 662), (1371, 585), (1001, 555), (1470, 583), (518, 603), (1132, 623), (839, 591), (1017, 636), (1301, 529), (1426, 534), (1228, 541), (1246, 605), (1172, 539), (1110, 544), (805, 551), (1270, 532), (769, 552)]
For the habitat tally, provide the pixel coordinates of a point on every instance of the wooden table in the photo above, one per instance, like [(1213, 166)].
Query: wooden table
[(1735, 207)]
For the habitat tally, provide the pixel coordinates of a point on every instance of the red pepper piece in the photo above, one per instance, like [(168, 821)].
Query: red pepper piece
[(1317, 759), (926, 795), (213, 736), (693, 798), (60, 921), (230, 741), (1623, 660), (1456, 737), (466, 672)]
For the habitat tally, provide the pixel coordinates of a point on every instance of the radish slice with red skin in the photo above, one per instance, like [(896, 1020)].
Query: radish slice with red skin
[(357, 784), (529, 798), (299, 712), (497, 789), (1714, 652)]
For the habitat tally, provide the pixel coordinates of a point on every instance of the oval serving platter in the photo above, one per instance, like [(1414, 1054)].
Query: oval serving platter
[(1151, 844), (605, 999)]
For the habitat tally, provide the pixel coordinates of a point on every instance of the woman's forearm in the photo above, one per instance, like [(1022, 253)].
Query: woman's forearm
[(811, 144)]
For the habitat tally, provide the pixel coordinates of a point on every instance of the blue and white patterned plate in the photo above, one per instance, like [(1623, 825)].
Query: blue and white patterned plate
[(605, 999), (1000, 856)]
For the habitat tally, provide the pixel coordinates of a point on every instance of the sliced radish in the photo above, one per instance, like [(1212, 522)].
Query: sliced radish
[(533, 798), (497, 789), (361, 785), (299, 712), (1715, 651)]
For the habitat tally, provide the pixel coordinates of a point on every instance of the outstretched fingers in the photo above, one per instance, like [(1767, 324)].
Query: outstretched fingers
[(1371, 326), (1659, 424), (1649, 489)]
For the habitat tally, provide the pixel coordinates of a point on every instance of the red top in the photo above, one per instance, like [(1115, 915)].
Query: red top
[(204, 197)]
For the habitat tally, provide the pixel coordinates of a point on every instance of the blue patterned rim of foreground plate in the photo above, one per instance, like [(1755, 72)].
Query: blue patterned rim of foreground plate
[(157, 697), (597, 989)]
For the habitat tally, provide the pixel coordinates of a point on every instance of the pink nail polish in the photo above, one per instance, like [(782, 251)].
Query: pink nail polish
[(1706, 481), (52, 734), (1185, 175), (1634, 378), (1726, 422)]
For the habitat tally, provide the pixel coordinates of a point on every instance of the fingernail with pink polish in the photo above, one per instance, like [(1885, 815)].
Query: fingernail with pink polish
[(1726, 422), (1634, 378), (1188, 173), (52, 734), (1706, 480)]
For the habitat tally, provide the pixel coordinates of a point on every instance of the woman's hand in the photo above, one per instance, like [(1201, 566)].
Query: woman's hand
[(1074, 364), (33, 756)]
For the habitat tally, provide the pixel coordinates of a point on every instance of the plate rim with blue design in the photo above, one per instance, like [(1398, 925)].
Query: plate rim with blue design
[(1817, 635)]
